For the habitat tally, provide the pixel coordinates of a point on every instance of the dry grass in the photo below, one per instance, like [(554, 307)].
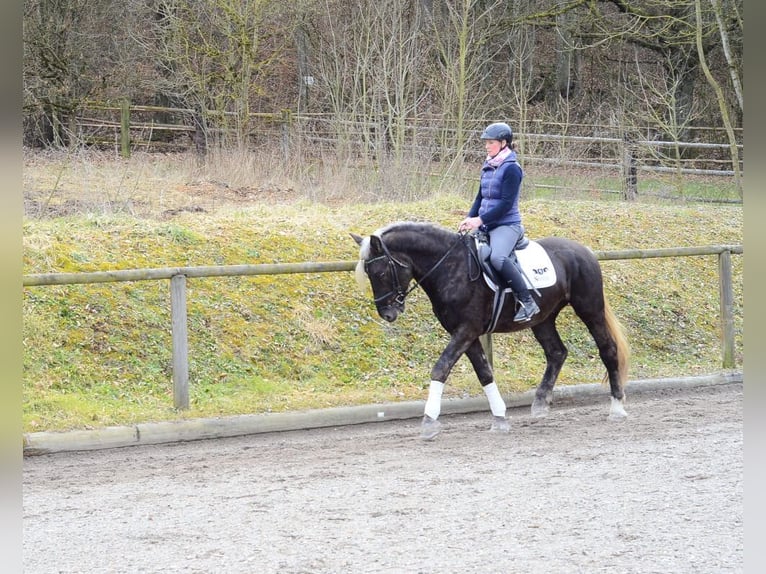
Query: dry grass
[(61, 183), (80, 182)]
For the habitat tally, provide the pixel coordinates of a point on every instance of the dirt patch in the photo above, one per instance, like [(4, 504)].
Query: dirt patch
[(660, 492)]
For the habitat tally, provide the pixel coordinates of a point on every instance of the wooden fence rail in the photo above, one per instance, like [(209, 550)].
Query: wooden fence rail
[(320, 130), (178, 275)]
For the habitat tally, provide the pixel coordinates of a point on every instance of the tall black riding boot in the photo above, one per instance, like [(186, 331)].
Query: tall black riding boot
[(527, 306)]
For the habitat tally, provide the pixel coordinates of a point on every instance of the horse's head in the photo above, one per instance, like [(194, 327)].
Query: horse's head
[(388, 276)]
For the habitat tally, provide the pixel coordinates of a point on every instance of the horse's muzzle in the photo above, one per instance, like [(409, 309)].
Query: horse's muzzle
[(390, 312)]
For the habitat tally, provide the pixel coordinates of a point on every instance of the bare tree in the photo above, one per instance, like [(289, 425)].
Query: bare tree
[(523, 85), (720, 98), (467, 41), (71, 55), (664, 31), (369, 64), (568, 56), (733, 62), (211, 57), (389, 65), (655, 90), (668, 30)]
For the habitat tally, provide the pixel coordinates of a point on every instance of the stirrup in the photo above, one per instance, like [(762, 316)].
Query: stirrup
[(525, 313)]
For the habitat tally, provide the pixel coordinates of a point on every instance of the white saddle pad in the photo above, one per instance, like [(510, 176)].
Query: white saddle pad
[(537, 266)]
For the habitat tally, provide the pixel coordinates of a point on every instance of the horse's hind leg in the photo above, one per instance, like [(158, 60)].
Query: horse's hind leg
[(555, 355), (613, 350)]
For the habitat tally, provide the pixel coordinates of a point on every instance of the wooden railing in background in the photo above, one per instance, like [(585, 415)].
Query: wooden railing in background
[(178, 276), (618, 153)]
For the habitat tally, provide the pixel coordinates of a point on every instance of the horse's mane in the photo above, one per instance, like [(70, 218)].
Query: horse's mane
[(423, 230)]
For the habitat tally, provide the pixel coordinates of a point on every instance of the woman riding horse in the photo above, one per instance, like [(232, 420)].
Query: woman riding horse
[(496, 211)]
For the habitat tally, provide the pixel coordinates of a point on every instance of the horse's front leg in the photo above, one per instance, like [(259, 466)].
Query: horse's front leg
[(475, 352), (458, 345), (483, 370)]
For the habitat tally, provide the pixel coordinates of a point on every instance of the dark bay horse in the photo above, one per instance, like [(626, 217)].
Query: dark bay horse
[(445, 265)]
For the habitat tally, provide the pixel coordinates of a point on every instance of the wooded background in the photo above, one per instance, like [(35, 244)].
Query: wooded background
[(403, 70)]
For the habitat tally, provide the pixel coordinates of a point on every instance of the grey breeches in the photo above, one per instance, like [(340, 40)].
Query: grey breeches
[(502, 240)]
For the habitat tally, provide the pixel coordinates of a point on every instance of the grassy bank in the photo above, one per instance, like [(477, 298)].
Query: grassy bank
[(101, 355)]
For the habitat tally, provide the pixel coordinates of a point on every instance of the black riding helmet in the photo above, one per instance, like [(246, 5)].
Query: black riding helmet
[(498, 131)]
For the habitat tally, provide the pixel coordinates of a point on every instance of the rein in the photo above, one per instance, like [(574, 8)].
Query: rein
[(401, 295)]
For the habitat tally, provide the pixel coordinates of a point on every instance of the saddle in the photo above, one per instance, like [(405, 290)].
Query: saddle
[(484, 250), (533, 261)]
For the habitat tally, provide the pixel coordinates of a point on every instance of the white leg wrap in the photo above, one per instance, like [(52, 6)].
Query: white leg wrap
[(496, 402), (434, 402)]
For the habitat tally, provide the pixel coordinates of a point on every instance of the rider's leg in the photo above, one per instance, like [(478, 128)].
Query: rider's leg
[(528, 307), (503, 240)]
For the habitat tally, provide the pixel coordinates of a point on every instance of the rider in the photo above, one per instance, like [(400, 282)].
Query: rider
[(496, 211)]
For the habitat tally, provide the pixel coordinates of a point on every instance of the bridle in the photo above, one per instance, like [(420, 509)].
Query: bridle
[(395, 284), (401, 294)]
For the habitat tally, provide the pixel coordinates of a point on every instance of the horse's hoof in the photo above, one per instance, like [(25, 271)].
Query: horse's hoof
[(539, 409), (429, 428), (617, 411), (500, 425)]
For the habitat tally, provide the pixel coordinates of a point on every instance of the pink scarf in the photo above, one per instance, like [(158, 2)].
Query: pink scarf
[(501, 156)]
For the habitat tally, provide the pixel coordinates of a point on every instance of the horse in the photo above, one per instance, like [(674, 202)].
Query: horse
[(447, 266)]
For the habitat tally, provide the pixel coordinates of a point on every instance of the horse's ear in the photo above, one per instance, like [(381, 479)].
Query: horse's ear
[(357, 238), (376, 244)]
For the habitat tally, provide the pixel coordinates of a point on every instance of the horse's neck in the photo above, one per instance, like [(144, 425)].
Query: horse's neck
[(431, 261), (422, 259)]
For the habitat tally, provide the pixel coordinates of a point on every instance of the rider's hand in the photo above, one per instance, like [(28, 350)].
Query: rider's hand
[(470, 223)]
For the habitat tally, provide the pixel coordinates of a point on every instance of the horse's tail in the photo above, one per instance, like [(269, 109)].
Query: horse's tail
[(615, 329)]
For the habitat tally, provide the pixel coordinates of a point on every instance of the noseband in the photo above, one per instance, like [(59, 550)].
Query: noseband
[(397, 290)]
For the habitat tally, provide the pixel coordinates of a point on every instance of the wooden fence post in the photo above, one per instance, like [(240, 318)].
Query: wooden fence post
[(629, 170), (727, 309), (180, 342), (125, 128), (200, 132), (286, 121)]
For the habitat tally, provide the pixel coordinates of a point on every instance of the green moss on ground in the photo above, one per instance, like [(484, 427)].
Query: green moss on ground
[(100, 355)]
